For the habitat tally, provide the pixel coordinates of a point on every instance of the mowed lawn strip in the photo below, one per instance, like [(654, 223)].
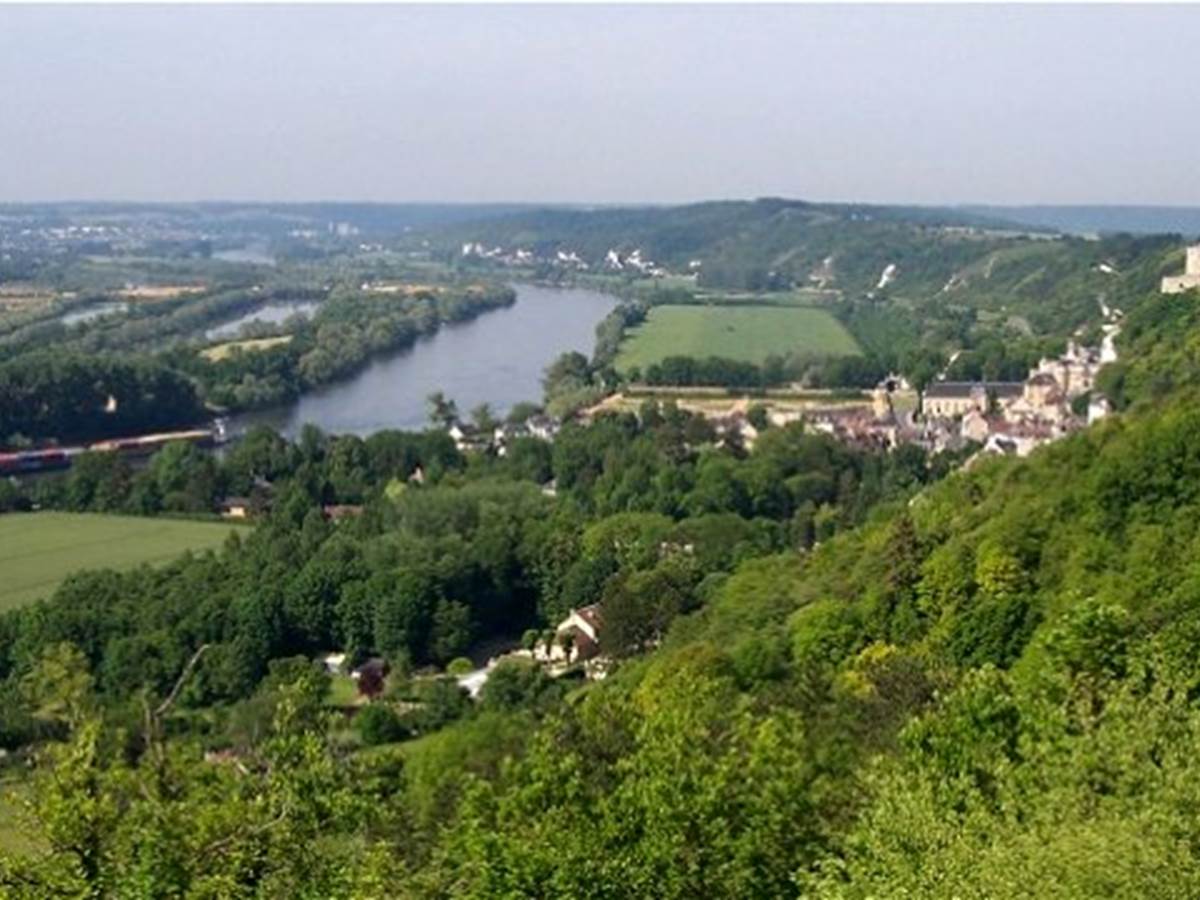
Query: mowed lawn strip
[(39, 550), (226, 350), (747, 333), (14, 831)]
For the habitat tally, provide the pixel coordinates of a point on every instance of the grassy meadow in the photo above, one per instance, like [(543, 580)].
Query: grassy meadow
[(39, 550), (14, 831), (747, 333), (224, 351)]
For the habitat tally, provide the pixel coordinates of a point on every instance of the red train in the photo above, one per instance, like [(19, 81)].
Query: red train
[(33, 461), (26, 461)]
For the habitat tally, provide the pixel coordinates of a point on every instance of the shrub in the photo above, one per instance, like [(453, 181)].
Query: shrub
[(378, 724)]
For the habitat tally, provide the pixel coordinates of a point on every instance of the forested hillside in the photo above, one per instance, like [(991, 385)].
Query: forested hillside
[(750, 245), (902, 279), (994, 681), (832, 671), (775, 243), (862, 680)]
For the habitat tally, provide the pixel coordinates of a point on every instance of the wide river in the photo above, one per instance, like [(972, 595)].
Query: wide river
[(496, 358)]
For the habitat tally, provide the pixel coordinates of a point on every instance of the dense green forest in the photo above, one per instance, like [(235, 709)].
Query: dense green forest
[(73, 396), (833, 672), (871, 678), (476, 549)]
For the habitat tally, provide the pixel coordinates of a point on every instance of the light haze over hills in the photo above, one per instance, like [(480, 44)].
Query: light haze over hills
[(1012, 105)]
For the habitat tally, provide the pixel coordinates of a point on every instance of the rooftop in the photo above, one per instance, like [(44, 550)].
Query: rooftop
[(964, 388)]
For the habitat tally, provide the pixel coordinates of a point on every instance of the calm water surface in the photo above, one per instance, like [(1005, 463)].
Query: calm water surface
[(497, 358), (255, 253), (271, 313), (89, 313)]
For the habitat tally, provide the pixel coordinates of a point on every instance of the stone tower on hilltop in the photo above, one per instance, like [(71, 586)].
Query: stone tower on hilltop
[(1175, 284)]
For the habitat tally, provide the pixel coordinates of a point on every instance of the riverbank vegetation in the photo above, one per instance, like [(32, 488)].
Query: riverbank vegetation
[(71, 396), (349, 328), (934, 684), (150, 369)]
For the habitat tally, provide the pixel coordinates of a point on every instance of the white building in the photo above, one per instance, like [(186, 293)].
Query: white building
[(333, 663), (1074, 371), (576, 639), (1098, 408), (951, 399), (1177, 284)]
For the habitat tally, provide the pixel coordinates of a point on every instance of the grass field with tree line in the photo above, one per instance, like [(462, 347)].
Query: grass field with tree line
[(745, 333), (39, 550), (221, 352)]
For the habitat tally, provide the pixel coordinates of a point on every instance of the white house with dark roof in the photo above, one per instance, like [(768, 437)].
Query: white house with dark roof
[(578, 635)]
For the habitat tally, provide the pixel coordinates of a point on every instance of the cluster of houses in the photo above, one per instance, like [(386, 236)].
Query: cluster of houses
[(566, 259), (1009, 417), (613, 261), (248, 507), (517, 257), (469, 438), (848, 423), (635, 261)]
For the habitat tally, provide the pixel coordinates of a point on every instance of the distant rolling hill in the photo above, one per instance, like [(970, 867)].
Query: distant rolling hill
[(1183, 220), (760, 244), (929, 262), (264, 219)]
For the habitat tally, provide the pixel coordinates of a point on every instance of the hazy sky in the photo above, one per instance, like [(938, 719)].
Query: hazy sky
[(1063, 104)]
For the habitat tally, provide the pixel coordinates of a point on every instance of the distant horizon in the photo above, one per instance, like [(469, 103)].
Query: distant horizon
[(913, 105), (607, 204)]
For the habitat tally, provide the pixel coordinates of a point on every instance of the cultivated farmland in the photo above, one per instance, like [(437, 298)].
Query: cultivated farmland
[(747, 333), (39, 550)]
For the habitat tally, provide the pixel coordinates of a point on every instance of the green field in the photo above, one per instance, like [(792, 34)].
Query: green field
[(39, 550), (748, 333), (14, 832), (224, 351), (794, 297)]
